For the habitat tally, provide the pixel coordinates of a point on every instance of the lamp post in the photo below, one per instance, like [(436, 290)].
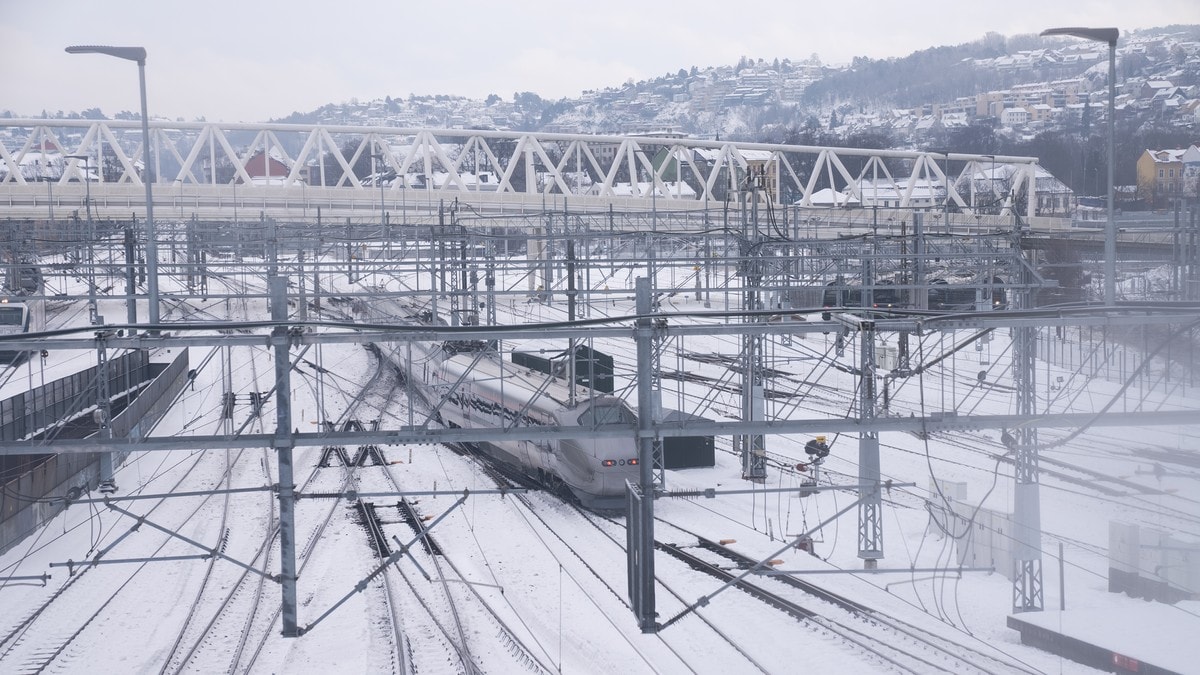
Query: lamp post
[(49, 189), (653, 272), (382, 209), (87, 183), (945, 157), (87, 203), (138, 54), (1107, 35), (946, 181)]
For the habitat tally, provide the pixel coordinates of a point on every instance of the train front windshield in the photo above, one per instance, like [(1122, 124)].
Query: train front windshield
[(607, 413), (12, 316)]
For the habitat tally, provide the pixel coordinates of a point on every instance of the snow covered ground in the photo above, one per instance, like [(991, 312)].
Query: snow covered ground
[(530, 584)]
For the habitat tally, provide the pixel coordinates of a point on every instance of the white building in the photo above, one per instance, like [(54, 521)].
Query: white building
[(1014, 117)]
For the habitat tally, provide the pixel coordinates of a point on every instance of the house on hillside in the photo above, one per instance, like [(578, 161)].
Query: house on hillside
[(1040, 112), (666, 189), (988, 188), (760, 165), (1161, 174), (1014, 117), (913, 193), (1169, 99), (828, 198), (36, 166), (1151, 88)]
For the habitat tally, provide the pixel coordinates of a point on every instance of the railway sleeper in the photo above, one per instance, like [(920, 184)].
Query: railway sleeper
[(410, 516), (333, 452), (367, 455), (745, 562), (370, 521), (784, 605)]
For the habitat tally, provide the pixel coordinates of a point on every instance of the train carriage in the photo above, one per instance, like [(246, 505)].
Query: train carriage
[(471, 386), (22, 311)]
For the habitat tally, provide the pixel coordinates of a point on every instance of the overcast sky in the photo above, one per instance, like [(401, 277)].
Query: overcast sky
[(251, 60)]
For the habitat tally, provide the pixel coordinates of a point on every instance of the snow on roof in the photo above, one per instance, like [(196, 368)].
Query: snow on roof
[(1169, 156), (673, 189), (828, 197), (756, 155)]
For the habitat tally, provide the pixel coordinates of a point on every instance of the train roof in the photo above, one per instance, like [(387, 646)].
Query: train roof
[(491, 365)]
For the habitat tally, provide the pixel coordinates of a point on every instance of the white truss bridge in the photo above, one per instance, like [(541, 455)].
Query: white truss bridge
[(290, 171)]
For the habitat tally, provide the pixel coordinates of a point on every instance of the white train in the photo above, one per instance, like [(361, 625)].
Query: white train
[(20, 313), (473, 387)]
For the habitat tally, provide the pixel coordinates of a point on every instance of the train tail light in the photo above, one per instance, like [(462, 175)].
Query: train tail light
[(633, 461), (608, 462)]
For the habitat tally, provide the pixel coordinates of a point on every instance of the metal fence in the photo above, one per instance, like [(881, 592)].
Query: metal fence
[(35, 496), (38, 410)]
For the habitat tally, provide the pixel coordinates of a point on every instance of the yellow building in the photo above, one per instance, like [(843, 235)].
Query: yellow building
[(1160, 175)]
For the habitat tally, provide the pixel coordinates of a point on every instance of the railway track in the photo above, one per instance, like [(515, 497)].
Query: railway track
[(89, 605), (887, 640), (207, 612), (944, 654), (452, 627), (81, 601)]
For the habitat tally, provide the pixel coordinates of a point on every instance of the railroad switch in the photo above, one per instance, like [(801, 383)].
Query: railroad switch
[(331, 452)]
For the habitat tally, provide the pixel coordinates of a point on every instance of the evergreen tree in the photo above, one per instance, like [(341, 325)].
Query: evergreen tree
[(1085, 118)]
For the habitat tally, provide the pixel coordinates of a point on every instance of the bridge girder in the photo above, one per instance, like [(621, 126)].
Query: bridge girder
[(504, 165)]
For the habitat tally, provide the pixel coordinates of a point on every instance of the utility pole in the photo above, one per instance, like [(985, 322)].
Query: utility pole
[(104, 412), (640, 518), (752, 447), (1027, 517), (870, 515), (281, 343)]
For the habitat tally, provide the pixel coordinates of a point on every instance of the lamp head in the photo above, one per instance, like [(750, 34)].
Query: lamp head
[(1107, 35), (128, 53)]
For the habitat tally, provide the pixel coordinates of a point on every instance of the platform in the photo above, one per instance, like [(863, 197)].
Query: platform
[(1147, 638)]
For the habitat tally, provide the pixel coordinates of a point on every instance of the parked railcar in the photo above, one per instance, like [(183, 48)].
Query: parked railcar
[(945, 297), (882, 297), (942, 297)]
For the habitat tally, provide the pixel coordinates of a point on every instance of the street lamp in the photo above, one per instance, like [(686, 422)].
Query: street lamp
[(944, 154), (87, 183), (138, 54), (653, 187), (1108, 35), (378, 175), (87, 203)]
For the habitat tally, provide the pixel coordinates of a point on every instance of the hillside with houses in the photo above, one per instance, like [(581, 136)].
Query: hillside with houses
[(1060, 83), (1021, 95), (1024, 95)]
